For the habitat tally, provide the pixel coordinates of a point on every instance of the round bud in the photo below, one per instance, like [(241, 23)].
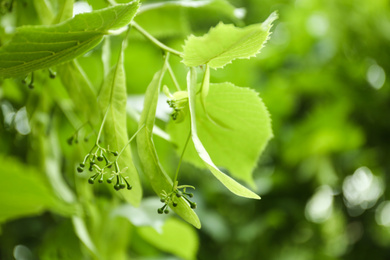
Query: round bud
[(79, 169), (160, 211), (70, 140), (190, 195), (117, 186), (109, 180), (166, 211), (115, 153), (122, 185), (179, 194), (91, 181), (174, 204), (129, 187), (193, 205), (162, 200), (100, 180), (82, 165), (100, 158)]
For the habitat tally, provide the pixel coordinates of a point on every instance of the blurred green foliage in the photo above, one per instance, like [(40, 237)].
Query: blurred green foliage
[(322, 178)]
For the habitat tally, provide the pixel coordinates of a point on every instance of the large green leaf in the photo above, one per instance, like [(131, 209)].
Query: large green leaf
[(113, 98), (158, 178), (237, 146), (39, 47), (225, 43), (229, 183), (24, 192), (176, 237)]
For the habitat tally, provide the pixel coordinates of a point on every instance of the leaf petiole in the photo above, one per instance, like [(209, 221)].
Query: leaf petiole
[(154, 40), (179, 164)]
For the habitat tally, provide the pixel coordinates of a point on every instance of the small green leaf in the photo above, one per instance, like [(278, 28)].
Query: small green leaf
[(237, 147), (113, 96), (225, 43), (229, 183), (152, 168), (176, 237), (26, 191), (39, 47)]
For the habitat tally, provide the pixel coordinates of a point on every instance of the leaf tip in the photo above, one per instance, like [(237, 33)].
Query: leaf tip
[(271, 18)]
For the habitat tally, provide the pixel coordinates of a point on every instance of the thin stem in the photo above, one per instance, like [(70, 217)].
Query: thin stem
[(173, 77), (101, 127), (155, 41), (131, 139), (181, 157)]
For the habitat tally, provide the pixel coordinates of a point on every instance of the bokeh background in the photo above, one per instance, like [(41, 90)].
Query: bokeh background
[(323, 177)]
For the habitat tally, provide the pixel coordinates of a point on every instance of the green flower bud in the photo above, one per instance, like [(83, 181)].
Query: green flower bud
[(117, 186), (91, 180), (160, 211), (193, 205), (174, 204), (100, 158), (79, 169), (179, 194), (109, 180), (70, 140), (166, 211)]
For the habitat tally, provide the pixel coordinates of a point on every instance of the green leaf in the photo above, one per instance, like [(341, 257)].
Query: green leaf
[(225, 43), (229, 183), (158, 178), (24, 192), (80, 92), (39, 47), (65, 11), (81, 231), (44, 10), (176, 237), (113, 96), (236, 148)]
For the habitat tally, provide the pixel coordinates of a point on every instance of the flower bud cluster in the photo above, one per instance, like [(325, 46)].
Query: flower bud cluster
[(97, 161), (171, 198)]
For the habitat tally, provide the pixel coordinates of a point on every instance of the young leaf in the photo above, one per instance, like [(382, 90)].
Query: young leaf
[(113, 96), (158, 178), (237, 147), (225, 43), (229, 183), (39, 47)]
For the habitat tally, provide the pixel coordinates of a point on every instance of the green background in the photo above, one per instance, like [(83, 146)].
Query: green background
[(322, 178)]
